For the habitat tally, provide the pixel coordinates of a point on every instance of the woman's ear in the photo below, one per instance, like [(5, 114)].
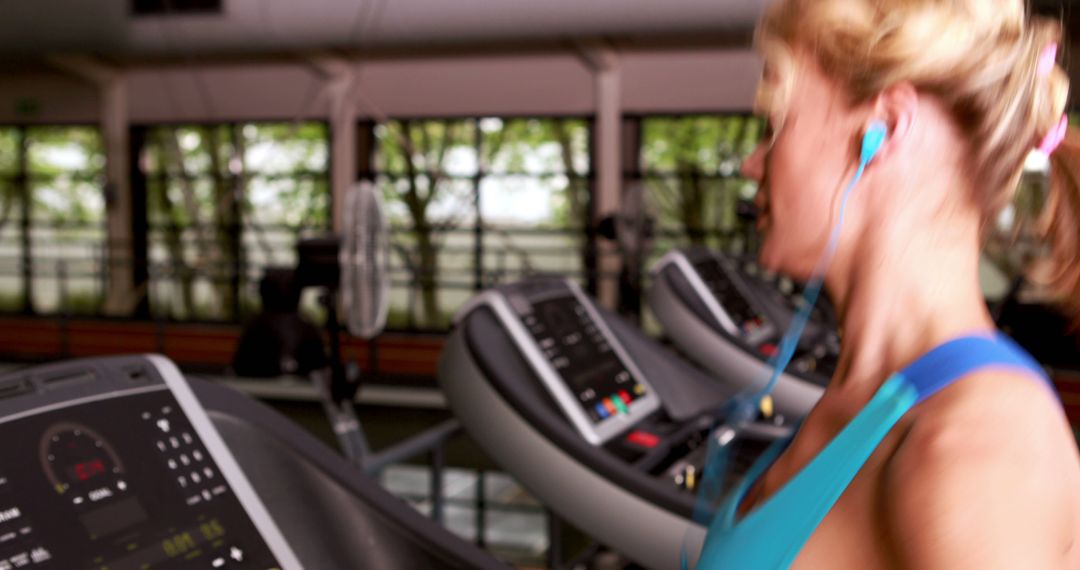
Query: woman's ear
[(897, 107)]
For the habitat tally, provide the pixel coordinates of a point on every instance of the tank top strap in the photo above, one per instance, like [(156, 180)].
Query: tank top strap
[(959, 357), (773, 533)]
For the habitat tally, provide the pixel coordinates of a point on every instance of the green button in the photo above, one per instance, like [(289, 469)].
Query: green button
[(619, 404)]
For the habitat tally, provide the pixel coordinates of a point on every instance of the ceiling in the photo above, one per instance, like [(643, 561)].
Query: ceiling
[(254, 27)]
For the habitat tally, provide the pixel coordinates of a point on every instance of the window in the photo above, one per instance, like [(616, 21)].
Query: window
[(52, 216), (690, 168), (223, 202), (476, 201)]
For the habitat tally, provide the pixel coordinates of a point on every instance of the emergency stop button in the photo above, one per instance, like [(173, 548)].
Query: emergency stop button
[(643, 439)]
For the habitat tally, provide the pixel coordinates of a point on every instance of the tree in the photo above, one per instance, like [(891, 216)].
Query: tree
[(51, 185), (216, 185), (541, 153), (413, 154), (172, 214), (432, 170), (691, 167)]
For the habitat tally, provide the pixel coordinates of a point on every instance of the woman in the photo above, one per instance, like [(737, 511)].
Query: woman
[(983, 473)]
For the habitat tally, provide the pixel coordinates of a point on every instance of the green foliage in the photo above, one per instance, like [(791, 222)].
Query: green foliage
[(281, 167), (9, 145), (535, 147), (64, 174), (421, 158), (68, 151), (11, 301), (691, 168), (431, 170), (83, 303), (422, 146), (399, 318), (215, 188), (65, 167)]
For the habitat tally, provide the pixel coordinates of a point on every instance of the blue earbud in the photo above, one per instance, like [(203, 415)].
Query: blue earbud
[(872, 141)]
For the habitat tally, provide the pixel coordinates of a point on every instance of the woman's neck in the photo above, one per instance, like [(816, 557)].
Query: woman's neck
[(906, 295)]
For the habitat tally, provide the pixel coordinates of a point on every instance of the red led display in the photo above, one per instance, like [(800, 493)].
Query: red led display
[(89, 469)]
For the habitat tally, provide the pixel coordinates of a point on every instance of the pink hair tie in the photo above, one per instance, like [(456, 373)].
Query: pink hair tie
[(1053, 138), (1047, 60)]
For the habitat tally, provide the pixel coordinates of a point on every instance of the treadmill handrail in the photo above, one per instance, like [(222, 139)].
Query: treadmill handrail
[(220, 399)]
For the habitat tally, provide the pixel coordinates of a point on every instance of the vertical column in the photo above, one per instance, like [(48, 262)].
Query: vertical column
[(338, 77), (478, 226), (631, 282), (237, 188), (140, 227), (365, 150), (22, 191), (604, 64), (121, 297), (342, 154)]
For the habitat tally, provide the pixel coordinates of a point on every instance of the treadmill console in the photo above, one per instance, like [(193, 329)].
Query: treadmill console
[(582, 364), (752, 309), (729, 296), (112, 464)]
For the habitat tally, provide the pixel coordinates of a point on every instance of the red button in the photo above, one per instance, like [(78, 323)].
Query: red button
[(643, 438), (625, 396), (768, 349)]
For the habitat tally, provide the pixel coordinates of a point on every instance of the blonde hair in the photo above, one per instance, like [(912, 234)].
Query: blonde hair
[(979, 58)]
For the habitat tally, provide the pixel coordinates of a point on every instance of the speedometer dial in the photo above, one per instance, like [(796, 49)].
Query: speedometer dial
[(75, 457)]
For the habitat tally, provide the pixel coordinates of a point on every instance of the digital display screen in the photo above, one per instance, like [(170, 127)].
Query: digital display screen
[(115, 484), (113, 517), (87, 469), (582, 356), (177, 546)]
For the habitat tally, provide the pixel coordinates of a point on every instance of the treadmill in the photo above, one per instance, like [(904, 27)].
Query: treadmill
[(729, 318), (122, 463), (597, 420)]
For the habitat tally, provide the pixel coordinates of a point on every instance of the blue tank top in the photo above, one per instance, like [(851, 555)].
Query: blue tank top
[(773, 533)]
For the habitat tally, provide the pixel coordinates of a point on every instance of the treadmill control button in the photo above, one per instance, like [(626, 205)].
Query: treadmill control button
[(768, 349), (643, 439), (600, 409)]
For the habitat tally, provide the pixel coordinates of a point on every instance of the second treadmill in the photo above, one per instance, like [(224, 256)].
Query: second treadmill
[(598, 421), (730, 321)]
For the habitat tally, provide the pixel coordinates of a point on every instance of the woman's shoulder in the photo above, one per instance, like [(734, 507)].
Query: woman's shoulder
[(988, 466), (989, 404)]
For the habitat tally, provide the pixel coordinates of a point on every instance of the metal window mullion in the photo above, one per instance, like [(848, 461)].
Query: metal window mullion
[(478, 219), (22, 189)]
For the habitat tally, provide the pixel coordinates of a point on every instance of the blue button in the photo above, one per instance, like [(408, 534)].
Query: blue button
[(600, 409)]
